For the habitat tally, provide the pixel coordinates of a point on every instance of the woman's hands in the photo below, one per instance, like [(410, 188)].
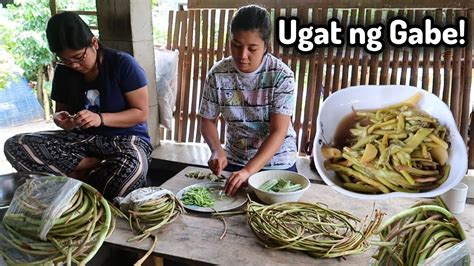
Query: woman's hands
[(278, 128), (86, 119), (218, 161), (236, 180), (64, 120), (83, 119)]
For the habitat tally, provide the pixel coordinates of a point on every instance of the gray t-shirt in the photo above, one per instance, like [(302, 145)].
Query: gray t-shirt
[(246, 102)]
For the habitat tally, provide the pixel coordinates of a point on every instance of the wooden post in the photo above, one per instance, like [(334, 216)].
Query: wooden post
[(39, 92), (43, 94), (46, 105), (52, 7)]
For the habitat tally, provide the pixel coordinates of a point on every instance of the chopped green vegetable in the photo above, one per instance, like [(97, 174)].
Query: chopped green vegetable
[(198, 196), (280, 185), (268, 184), (202, 175)]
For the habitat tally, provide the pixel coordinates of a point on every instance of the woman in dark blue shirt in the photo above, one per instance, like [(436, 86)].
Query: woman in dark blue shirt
[(101, 104)]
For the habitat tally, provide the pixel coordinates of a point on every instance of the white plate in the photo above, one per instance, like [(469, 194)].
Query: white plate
[(220, 205), (340, 104)]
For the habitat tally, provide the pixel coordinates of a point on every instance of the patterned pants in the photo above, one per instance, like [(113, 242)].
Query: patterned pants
[(124, 159)]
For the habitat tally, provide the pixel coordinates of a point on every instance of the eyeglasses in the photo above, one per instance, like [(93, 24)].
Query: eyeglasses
[(78, 59)]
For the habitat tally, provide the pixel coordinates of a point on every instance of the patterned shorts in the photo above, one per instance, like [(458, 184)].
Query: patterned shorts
[(123, 159)]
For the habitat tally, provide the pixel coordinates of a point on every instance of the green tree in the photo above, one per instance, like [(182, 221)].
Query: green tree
[(82, 5), (23, 46), (9, 70), (24, 36)]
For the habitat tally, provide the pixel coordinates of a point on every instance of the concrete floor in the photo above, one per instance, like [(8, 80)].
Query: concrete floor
[(6, 133)]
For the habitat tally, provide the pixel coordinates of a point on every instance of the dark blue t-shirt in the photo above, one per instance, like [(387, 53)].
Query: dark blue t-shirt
[(119, 73)]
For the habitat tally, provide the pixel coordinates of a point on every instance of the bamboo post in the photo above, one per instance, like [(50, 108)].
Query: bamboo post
[(374, 58), (300, 81), (196, 60), (182, 18), (170, 31), (467, 90), (356, 57), (220, 54), (204, 65), (336, 82), (456, 86), (230, 15), (447, 56), (275, 47), (329, 65), (425, 82), (437, 59), (415, 53), (286, 50), (322, 16), (384, 78), (403, 75), (347, 53), (173, 36), (471, 143), (396, 58), (188, 67), (310, 92)]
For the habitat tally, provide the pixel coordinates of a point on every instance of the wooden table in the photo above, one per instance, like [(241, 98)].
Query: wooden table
[(194, 237)]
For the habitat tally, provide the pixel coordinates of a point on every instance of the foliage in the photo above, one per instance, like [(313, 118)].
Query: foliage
[(24, 36), (159, 36), (83, 5), (23, 33), (160, 13), (8, 69)]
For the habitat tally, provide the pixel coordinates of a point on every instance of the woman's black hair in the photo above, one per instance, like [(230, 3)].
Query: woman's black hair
[(67, 31), (252, 17)]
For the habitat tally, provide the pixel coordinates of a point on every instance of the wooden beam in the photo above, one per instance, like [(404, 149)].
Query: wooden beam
[(432, 4), (80, 12), (52, 7)]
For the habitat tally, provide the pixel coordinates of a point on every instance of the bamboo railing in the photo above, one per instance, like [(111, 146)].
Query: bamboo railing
[(200, 35)]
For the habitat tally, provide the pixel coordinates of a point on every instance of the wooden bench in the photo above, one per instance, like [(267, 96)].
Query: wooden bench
[(200, 34), (193, 239)]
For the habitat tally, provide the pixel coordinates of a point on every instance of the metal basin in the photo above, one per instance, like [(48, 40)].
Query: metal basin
[(10, 182)]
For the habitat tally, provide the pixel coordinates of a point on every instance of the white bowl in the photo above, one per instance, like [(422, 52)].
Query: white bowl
[(340, 104), (270, 197)]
